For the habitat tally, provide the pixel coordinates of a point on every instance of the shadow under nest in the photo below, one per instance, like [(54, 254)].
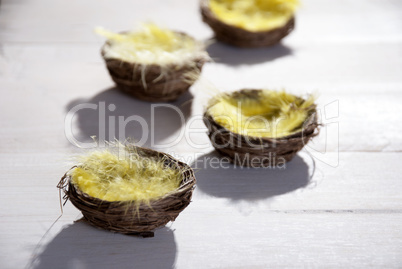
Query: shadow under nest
[(230, 55), (82, 246), (249, 184), (113, 114)]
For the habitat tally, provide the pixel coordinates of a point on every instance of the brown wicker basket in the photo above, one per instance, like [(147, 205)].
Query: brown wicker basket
[(128, 217), (256, 151), (159, 88), (240, 37)]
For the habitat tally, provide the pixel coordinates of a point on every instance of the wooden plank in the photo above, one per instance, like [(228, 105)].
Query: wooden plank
[(340, 86), (211, 238), (341, 113), (290, 241), (361, 181), (317, 21)]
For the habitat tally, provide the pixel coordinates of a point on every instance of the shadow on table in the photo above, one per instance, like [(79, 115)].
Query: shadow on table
[(222, 53), (113, 114), (82, 246), (249, 184)]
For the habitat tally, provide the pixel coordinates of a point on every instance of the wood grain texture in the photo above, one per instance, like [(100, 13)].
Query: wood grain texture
[(342, 208)]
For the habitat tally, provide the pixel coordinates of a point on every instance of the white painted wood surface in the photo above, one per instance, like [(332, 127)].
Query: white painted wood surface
[(344, 209)]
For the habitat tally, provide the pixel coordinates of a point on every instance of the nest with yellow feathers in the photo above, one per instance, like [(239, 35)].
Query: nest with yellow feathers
[(132, 191), (249, 23), (260, 128), (153, 64)]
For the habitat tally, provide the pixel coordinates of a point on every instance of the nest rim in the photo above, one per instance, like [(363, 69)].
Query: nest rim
[(152, 65), (311, 118), (101, 213)]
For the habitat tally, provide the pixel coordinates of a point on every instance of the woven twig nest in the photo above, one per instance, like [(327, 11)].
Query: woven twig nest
[(241, 37), (132, 217), (259, 151), (156, 81)]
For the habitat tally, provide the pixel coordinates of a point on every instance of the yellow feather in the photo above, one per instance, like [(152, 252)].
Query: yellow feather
[(254, 15), (124, 175), (272, 114), (152, 45)]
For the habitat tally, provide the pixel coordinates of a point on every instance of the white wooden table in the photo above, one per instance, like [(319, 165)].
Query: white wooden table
[(343, 212)]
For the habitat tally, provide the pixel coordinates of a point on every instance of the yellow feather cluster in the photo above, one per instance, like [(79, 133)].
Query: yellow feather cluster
[(254, 15), (124, 175), (272, 114), (152, 45)]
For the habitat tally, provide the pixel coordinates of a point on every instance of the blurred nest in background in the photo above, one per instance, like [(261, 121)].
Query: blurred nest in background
[(153, 64), (249, 23)]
